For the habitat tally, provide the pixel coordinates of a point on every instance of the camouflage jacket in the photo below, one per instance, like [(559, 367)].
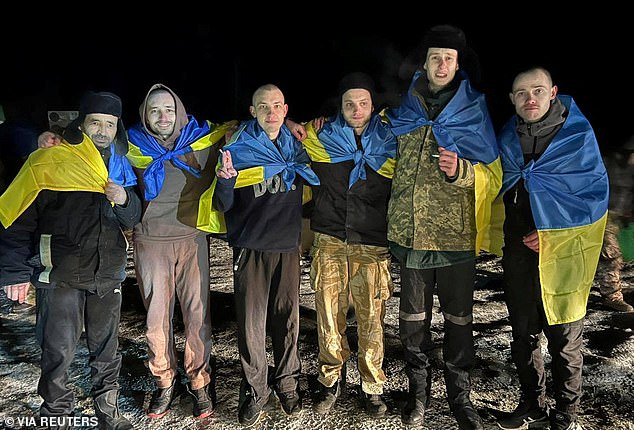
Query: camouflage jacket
[(427, 211)]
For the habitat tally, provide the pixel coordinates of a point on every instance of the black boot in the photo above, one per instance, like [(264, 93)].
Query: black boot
[(467, 417), (414, 412), (162, 399), (107, 412), (203, 403)]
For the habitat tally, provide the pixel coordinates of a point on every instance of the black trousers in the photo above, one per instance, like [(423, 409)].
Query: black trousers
[(266, 290), (455, 294), (526, 312), (62, 314)]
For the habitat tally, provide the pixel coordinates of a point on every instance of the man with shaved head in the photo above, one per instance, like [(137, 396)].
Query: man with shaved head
[(259, 189)]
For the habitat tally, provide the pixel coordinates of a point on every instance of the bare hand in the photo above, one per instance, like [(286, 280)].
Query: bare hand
[(17, 292), (226, 170), (48, 139), (298, 130), (448, 162), (318, 123), (115, 193), (230, 130), (532, 240)]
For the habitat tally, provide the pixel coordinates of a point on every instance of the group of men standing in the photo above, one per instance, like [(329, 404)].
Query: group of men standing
[(426, 182)]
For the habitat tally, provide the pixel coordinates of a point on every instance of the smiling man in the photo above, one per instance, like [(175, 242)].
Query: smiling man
[(259, 189), (447, 174)]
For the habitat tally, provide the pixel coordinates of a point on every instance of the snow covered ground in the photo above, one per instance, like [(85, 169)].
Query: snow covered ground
[(608, 401)]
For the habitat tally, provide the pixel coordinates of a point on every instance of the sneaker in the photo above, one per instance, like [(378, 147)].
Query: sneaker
[(162, 399), (373, 404), (326, 398), (562, 421), (414, 412), (251, 409), (616, 302), (467, 417), (525, 416), (290, 401), (203, 404)]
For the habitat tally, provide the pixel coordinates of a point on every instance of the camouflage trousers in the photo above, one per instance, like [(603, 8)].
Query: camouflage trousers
[(340, 270), (612, 259)]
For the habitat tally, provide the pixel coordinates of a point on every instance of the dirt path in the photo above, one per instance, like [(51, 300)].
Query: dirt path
[(608, 402)]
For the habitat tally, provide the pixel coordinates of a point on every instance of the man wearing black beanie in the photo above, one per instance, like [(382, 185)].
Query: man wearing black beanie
[(62, 219), (354, 157)]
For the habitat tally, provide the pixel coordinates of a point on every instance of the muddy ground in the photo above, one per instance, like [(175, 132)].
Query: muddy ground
[(608, 401)]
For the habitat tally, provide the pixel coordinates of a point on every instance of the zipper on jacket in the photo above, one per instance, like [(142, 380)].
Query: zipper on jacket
[(237, 262)]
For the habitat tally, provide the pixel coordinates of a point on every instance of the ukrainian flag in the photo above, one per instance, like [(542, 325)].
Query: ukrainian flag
[(256, 158), (336, 143), (465, 127), (568, 191), (65, 167)]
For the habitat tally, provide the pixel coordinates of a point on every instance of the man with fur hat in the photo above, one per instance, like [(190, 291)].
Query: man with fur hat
[(69, 204), (447, 175), (354, 158)]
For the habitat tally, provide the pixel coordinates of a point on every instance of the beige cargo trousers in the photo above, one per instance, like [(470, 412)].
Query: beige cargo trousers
[(338, 271)]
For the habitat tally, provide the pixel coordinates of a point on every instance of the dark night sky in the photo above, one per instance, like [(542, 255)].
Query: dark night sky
[(214, 72)]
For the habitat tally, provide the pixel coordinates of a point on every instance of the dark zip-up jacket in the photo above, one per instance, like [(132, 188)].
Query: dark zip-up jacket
[(356, 215), (78, 236), (534, 139)]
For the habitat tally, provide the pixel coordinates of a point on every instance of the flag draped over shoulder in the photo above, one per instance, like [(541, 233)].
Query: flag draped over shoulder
[(252, 148), (64, 167), (147, 153), (568, 191), (465, 127), (336, 142), (256, 158)]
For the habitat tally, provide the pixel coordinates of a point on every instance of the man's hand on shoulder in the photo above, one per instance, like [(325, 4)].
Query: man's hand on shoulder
[(48, 139), (298, 130)]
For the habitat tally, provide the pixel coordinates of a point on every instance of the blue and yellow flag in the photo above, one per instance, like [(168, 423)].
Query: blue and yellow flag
[(568, 191), (64, 167), (336, 142), (464, 127), (252, 148), (147, 153), (256, 158)]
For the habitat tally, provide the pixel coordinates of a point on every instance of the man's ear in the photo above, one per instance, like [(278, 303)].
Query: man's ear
[(553, 92), (252, 110), (512, 99)]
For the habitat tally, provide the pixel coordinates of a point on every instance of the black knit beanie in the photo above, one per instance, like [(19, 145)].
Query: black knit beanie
[(356, 80)]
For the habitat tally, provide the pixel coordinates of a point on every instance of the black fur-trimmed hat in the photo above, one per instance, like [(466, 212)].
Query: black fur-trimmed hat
[(444, 36), (103, 103), (451, 37)]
